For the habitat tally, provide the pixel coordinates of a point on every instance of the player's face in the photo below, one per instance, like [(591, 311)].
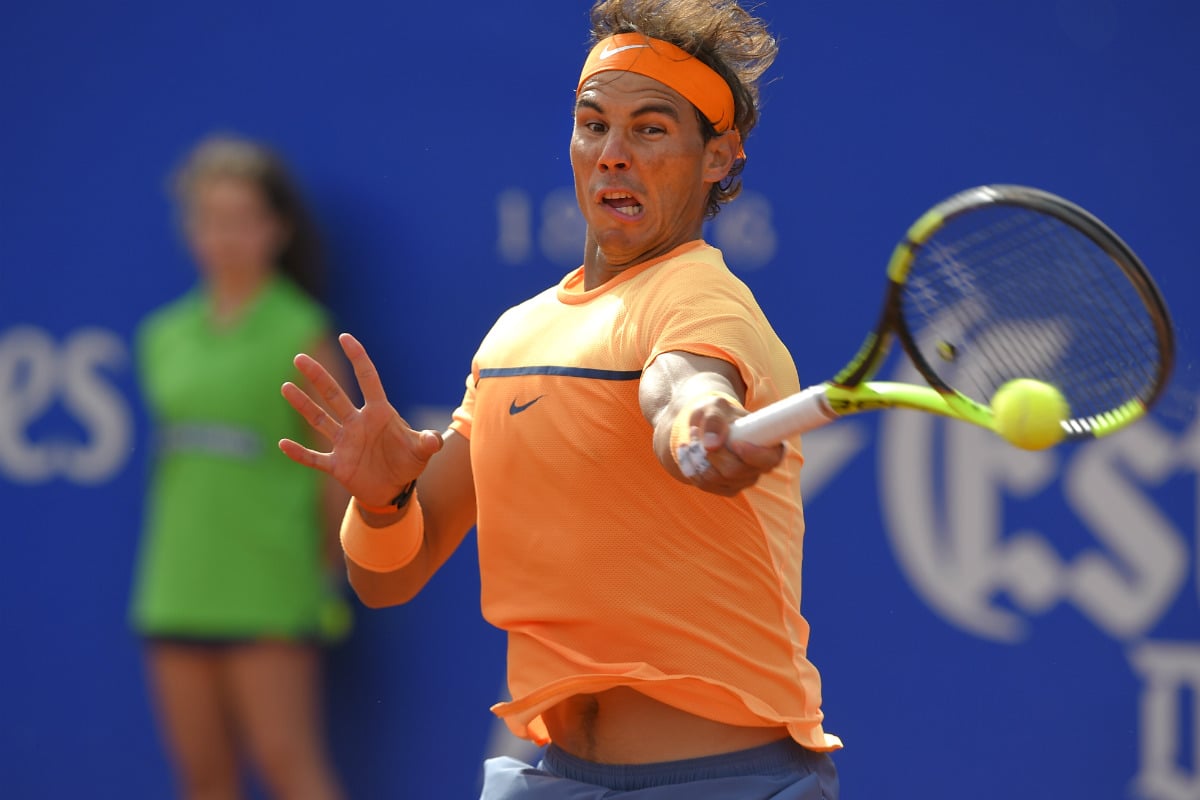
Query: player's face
[(232, 232), (642, 168)]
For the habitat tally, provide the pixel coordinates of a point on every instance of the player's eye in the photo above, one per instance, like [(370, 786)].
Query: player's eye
[(590, 123)]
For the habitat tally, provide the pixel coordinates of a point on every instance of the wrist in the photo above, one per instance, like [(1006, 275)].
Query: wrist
[(686, 448), (387, 544), (681, 424), (397, 503)]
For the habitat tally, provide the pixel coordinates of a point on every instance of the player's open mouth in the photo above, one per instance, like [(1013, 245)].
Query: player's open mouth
[(622, 202)]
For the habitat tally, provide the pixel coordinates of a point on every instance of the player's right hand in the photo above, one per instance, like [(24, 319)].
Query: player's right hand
[(373, 452)]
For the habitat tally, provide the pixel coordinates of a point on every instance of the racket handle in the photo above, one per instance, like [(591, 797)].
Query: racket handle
[(792, 415)]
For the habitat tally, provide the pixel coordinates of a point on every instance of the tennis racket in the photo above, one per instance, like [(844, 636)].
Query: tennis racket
[(993, 284)]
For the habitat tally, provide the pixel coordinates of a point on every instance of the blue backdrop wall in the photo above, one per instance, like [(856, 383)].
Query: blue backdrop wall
[(1019, 624)]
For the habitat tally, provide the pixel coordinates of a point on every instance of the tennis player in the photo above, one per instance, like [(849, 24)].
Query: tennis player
[(655, 638)]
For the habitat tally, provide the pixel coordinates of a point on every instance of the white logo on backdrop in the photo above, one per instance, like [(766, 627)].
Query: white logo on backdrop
[(38, 374), (960, 554), (743, 230), (562, 232), (1171, 672)]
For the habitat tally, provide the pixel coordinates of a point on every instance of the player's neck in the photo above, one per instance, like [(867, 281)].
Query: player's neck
[(600, 265), (230, 297)]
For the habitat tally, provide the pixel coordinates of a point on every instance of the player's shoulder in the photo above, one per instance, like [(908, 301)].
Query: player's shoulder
[(172, 314), (285, 291), (160, 332), (529, 305), (699, 272), (295, 308)]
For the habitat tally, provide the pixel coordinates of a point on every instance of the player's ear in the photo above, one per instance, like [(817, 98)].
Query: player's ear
[(719, 154)]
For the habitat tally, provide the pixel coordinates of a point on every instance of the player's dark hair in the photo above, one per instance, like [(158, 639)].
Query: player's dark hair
[(226, 156), (723, 35)]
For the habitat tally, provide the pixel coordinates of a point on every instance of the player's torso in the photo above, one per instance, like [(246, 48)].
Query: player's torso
[(552, 379)]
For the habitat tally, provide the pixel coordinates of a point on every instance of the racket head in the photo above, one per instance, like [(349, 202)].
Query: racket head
[(1002, 282)]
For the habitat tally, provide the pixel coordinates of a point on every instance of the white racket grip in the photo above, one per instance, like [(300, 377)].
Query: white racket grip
[(799, 413)]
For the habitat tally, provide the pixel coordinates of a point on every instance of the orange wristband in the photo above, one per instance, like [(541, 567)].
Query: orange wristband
[(383, 549)]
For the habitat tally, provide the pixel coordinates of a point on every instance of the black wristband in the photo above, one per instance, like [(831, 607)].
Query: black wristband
[(401, 500)]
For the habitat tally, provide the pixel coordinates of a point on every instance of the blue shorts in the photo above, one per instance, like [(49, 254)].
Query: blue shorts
[(778, 771)]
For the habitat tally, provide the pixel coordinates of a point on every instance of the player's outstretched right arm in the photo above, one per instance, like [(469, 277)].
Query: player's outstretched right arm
[(373, 454)]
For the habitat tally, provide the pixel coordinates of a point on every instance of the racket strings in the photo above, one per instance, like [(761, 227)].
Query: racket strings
[(1007, 292), (1130, 333), (1093, 363), (1048, 338), (1026, 343)]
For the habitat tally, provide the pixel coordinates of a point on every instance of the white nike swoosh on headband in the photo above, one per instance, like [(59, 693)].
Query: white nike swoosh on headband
[(608, 52)]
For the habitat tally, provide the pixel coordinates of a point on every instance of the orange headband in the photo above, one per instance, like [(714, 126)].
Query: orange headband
[(669, 65)]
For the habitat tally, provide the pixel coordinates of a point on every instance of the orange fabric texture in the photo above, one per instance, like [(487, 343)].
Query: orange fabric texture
[(671, 66), (603, 569), (383, 549)]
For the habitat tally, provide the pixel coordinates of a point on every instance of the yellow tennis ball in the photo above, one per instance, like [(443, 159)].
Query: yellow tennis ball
[(1029, 413)]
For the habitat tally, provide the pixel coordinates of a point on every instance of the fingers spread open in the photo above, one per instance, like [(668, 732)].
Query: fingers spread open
[(324, 384), (364, 370), (306, 457), (313, 414)]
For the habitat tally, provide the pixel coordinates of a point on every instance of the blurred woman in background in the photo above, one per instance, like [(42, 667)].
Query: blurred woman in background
[(233, 594)]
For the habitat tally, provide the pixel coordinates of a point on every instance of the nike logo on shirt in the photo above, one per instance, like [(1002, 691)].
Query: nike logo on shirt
[(513, 408)]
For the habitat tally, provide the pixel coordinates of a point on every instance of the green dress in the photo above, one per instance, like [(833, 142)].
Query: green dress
[(232, 545)]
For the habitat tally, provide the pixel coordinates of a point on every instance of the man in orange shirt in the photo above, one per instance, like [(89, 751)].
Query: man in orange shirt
[(653, 617)]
